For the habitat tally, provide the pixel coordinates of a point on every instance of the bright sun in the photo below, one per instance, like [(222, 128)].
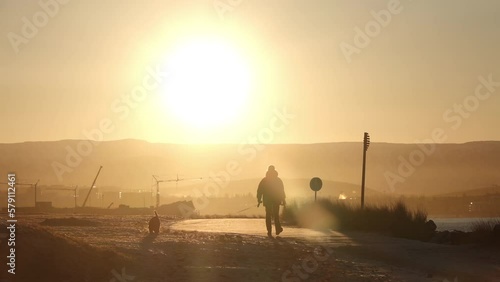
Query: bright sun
[(209, 83)]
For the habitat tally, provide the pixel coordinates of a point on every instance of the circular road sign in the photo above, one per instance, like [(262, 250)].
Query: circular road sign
[(316, 184)]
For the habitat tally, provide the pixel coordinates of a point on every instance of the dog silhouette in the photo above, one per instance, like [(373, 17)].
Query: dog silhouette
[(154, 224)]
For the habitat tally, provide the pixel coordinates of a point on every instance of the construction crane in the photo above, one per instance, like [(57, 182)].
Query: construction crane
[(67, 189), (92, 186), (176, 180), (32, 185)]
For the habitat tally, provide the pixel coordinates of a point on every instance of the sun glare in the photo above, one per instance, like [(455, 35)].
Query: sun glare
[(209, 83)]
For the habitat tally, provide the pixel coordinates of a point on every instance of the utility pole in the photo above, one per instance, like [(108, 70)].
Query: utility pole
[(36, 184), (366, 144), (76, 187)]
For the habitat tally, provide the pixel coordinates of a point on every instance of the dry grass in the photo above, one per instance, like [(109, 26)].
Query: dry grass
[(484, 226), (395, 220)]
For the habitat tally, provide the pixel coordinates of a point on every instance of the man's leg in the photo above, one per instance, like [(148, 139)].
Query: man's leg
[(269, 213), (276, 215)]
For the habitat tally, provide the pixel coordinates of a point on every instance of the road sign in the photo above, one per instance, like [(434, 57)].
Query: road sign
[(315, 185)]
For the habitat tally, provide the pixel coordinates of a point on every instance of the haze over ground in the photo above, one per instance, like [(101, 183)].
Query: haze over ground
[(129, 165)]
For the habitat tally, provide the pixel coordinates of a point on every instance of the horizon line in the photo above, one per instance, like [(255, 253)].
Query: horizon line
[(230, 143)]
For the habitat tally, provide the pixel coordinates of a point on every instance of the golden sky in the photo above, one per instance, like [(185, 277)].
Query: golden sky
[(226, 70)]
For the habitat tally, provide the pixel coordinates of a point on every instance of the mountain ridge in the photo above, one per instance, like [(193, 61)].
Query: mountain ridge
[(130, 163)]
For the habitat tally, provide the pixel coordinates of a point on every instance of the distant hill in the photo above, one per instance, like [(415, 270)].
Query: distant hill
[(130, 164), (493, 190)]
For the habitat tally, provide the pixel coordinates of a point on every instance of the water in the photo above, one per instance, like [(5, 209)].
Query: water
[(461, 224)]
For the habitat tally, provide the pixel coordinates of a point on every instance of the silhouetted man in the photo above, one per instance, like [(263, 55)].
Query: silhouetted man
[(272, 192)]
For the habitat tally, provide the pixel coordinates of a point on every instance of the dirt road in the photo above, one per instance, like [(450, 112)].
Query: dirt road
[(406, 259), (235, 250)]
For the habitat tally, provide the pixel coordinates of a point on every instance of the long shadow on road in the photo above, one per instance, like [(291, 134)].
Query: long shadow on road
[(387, 258)]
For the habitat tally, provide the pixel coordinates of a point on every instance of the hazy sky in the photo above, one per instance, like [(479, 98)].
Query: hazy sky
[(411, 76)]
